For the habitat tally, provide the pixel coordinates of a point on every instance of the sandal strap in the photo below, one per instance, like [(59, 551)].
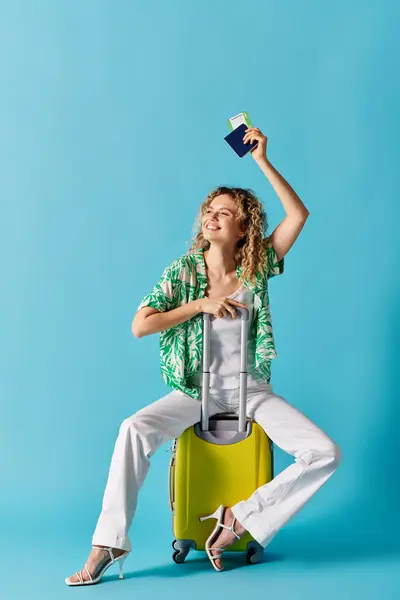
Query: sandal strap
[(88, 572), (231, 527), (79, 576), (109, 549), (213, 557)]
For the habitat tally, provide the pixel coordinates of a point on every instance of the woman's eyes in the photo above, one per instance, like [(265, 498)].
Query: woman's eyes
[(224, 213)]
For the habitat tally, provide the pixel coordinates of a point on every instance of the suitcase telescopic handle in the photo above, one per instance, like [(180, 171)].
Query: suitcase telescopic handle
[(242, 375)]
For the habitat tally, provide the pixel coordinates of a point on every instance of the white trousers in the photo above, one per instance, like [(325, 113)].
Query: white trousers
[(267, 509)]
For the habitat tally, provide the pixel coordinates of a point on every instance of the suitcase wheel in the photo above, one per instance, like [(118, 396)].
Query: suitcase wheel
[(182, 548), (254, 556), (179, 556)]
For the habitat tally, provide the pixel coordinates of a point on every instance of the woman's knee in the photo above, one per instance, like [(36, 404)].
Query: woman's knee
[(134, 421), (326, 452), (139, 435), (334, 453)]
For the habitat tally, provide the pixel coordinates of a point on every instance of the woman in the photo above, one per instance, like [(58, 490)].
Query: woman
[(227, 268)]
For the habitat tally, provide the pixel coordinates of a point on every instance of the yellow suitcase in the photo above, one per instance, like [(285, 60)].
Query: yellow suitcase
[(219, 460)]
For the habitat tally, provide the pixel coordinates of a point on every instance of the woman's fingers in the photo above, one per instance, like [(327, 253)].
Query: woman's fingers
[(228, 307), (253, 134), (251, 137)]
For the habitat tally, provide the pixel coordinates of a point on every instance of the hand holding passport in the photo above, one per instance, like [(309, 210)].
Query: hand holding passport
[(235, 138)]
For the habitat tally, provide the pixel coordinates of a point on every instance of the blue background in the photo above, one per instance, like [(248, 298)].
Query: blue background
[(112, 119)]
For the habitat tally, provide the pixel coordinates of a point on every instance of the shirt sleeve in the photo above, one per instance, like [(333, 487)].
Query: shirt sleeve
[(161, 296), (274, 267)]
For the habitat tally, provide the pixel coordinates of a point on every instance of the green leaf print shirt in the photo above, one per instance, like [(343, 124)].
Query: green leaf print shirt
[(181, 346)]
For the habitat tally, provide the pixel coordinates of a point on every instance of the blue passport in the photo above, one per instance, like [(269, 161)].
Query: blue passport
[(235, 140)]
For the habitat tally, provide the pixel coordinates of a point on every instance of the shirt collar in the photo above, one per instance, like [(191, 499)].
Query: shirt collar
[(201, 268)]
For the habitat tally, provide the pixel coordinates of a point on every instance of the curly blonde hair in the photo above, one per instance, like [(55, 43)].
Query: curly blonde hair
[(250, 252)]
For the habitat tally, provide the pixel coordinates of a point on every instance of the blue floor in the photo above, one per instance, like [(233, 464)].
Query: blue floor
[(305, 560)]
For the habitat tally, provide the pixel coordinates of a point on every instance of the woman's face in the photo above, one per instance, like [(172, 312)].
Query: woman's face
[(221, 213)]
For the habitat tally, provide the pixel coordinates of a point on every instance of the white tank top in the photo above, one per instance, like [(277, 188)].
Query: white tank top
[(225, 347)]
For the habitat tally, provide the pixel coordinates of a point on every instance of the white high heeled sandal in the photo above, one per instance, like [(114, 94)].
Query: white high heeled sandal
[(104, 568), (218, 514)]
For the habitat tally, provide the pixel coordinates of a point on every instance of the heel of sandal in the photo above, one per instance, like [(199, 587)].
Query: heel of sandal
[(121, 564)]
